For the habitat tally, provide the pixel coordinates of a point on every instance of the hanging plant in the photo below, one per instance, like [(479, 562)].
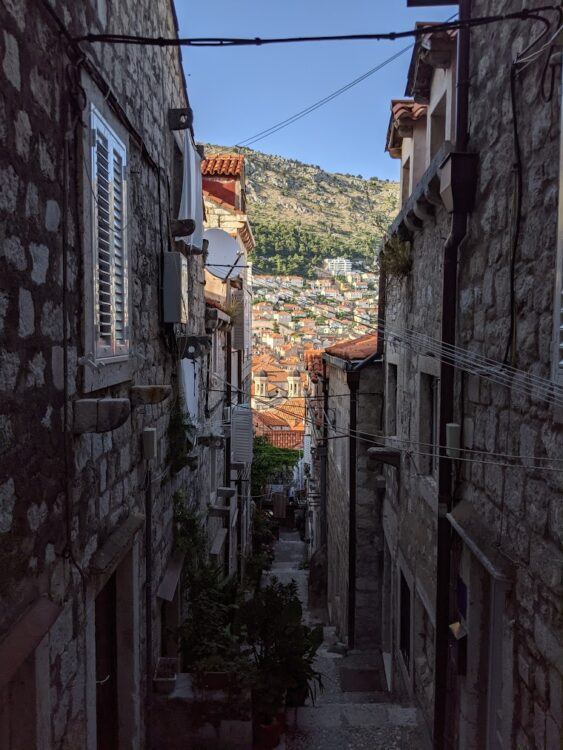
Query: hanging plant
[(181, 437), (396, 257)]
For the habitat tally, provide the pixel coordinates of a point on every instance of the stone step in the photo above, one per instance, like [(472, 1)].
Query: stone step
[(353, 715)]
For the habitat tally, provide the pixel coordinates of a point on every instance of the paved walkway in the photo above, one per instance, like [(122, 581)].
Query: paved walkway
[(341, 720)]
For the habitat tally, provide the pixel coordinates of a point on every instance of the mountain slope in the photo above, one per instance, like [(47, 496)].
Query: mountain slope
[(301, 214)]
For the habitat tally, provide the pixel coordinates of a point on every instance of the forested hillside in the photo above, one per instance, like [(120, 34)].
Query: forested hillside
[(301, 214)]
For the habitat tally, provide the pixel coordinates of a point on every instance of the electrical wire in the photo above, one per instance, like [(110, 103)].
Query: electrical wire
[(321, 102), (533, 386), (160, 41), (380, 441)]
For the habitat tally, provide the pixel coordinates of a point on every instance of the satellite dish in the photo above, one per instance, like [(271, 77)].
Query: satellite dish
[(223, 254)]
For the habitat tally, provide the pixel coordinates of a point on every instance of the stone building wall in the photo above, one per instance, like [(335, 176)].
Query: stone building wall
[(105, 477), (410, 505), (517, 508), (368, 533), (521, 506), (338, 499), (369, 497)]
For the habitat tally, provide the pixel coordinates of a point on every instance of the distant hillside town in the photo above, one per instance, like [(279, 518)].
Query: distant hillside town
[(293, 315)]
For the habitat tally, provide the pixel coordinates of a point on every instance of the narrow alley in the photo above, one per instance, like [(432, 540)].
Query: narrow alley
[(341, 720)]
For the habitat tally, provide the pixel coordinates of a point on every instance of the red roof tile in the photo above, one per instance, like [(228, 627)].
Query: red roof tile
[(355, 349), (223, 165)]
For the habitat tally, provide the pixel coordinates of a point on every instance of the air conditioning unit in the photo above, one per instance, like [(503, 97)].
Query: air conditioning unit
[(175, 288)]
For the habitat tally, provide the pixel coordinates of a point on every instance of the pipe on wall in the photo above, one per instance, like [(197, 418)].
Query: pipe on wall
[(447, 383)]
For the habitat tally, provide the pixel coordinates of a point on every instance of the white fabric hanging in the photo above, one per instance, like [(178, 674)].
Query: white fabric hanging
[(191, 205)]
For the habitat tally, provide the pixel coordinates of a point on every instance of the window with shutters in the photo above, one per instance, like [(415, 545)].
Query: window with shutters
[(110, 261)]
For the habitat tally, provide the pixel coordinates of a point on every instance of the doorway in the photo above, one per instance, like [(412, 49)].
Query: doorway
[(106, 667)]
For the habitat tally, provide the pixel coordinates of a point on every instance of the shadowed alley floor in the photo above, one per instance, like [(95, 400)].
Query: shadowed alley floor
[(341, 720)]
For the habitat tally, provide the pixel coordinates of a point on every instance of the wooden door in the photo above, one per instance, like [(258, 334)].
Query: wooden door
[(106, 667)]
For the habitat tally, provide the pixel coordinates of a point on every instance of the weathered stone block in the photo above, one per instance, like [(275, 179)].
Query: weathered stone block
[(7, 502), (11, 62), (40, 260), (26, 314), (85, 415), (12, 250)]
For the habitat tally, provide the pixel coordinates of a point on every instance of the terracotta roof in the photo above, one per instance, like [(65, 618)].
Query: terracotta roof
[(404, 113), (223, 165), (355, 349), (269, 418)]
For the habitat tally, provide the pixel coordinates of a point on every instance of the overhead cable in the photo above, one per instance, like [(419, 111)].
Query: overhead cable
[(159, 41)]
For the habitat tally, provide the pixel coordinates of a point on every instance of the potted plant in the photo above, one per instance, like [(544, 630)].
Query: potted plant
[(212, 673), (165, 673), (282, 649)]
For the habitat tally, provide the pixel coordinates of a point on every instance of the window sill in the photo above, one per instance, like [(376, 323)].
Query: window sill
[(112, 372)]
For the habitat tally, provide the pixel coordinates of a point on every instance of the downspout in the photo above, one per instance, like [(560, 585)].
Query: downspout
[(148, 608), (353, 380), (445, 477)]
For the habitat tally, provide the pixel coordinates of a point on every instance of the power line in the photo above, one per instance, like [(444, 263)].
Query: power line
[(259, 42), (325, 100), (320, 103), (475, 364), (380, 442)]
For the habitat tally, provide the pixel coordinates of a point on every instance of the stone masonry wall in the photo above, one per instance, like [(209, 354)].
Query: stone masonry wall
[(521, 506), (410, 504), (338, 500), (369, 529), (106, 473)]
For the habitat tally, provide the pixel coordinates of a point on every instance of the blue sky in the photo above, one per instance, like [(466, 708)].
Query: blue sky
[(238, 92)]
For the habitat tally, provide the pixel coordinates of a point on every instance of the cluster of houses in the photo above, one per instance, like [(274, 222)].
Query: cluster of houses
[(435, 442), (290, 316), (125, 370)]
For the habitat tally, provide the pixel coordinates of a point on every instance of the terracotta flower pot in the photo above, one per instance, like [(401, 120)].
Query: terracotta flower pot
[(267, 736), (215, 680)]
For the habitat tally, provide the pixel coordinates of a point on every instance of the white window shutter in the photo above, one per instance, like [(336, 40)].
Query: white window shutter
[(241, 434), (110, 251), (239, 329)]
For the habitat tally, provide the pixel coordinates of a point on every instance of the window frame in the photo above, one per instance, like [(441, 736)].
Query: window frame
[(102, 370)]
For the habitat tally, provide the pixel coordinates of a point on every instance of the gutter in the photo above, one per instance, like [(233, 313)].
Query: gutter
[(447, 382)]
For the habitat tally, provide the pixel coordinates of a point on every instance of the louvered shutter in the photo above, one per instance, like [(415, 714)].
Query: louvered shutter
[(110, 252), (238, 333), (241, 434)]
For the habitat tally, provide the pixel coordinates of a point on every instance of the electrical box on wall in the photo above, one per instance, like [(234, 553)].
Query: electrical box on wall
[(175, 288)]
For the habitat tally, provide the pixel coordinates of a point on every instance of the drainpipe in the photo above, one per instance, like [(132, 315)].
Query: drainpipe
[(353, 380), (148, 608), (445, 466)]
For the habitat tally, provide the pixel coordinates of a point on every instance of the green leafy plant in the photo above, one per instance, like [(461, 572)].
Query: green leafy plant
[(396, 257), (270, 463), (181, 439), (281, 647)]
